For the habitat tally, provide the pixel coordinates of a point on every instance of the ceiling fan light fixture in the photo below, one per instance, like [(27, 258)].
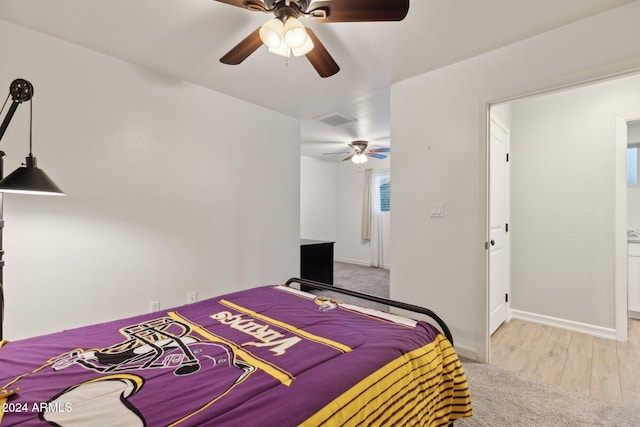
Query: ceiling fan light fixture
[(304, 49), (282, 50), (285, 39), (359, 158), (271, 33), (295, 35)]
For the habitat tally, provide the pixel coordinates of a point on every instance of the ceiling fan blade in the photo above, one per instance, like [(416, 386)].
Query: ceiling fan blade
[(320, 57), (245, 4), (243, 49), (376, 155), (380, 150), (362, 10), (348, 157)]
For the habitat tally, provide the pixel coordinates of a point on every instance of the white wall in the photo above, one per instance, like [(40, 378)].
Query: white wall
[(439, 125), (169, 190), (563, 151), (317, 199)]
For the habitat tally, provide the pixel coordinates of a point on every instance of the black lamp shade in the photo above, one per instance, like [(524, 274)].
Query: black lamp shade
[(29, 179)]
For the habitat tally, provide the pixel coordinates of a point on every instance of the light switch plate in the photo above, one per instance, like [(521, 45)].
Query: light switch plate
[(437, 211)]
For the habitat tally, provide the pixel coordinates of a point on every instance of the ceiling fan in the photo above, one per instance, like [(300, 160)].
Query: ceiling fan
[(361, 152), (285, 34)]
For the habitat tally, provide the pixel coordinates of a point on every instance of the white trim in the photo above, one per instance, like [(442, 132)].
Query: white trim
[(484, 346), (466, 352), (357, 262), (352, 261), (584, 328)]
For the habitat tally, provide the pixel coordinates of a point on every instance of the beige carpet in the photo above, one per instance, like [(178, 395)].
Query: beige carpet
[(368, 280), (503, 398)]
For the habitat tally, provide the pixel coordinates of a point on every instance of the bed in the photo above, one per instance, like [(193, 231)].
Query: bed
[(268, 356)]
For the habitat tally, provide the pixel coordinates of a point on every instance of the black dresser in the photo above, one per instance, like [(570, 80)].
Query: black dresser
[(316, 260)]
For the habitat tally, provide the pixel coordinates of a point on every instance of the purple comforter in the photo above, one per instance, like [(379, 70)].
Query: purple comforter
[(265, 357)]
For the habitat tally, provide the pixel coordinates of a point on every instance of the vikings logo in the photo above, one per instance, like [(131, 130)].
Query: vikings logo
[(326, 303), (160, 343), (157, 344)]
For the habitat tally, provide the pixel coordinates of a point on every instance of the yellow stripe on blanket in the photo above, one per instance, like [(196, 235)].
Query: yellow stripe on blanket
[(425, 387)]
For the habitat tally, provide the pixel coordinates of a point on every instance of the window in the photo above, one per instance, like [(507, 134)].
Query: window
[(385, 194), (632, 165)]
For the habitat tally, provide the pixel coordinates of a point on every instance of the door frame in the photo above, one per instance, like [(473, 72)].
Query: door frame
[(621, 286)]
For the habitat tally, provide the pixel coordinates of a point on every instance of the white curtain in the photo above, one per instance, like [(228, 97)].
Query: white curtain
[(372, 216), (365, 223)]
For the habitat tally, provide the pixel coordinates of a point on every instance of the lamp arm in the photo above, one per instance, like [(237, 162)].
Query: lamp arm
[(20, 91)]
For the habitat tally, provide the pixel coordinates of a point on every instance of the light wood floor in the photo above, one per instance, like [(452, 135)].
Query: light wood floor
[(604, 369)]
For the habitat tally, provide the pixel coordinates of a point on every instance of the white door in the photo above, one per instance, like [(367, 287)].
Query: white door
[(498, 223)]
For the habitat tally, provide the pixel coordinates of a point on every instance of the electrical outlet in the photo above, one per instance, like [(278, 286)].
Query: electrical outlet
[(154, 306), (192, 297)]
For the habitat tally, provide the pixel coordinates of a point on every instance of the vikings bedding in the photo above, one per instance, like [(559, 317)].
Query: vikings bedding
[(270, 356)]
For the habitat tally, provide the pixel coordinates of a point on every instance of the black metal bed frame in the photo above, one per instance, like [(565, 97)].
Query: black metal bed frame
[(374, 298)]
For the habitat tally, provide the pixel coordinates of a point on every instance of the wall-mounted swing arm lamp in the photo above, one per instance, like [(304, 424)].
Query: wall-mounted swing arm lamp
[(27, 179)]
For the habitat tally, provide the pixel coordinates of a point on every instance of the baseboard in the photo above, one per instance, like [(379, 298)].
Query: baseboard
[(584, 328), (352, 261), (466, 352), (356, 262)]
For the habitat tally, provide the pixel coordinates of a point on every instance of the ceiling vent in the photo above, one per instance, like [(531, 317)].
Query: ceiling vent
[(337, 119)]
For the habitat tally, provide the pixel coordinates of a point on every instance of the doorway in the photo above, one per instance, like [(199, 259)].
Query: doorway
[(567, 207), (628, 140)]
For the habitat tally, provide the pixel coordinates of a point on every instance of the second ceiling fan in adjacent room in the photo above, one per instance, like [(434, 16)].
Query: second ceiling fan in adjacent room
[(360, 151)]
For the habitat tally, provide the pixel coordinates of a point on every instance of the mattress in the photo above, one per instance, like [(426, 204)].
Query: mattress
[(269, 356)]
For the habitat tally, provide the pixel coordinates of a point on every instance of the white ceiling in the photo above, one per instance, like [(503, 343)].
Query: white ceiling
[(186, 38)]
